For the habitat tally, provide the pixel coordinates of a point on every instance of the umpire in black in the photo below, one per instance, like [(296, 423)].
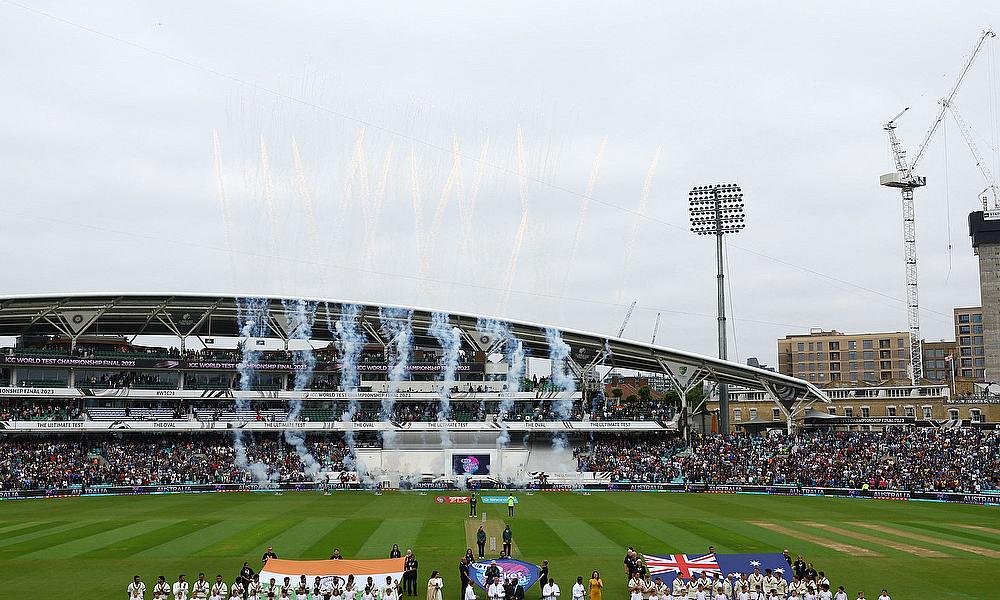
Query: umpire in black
[(472, 506)]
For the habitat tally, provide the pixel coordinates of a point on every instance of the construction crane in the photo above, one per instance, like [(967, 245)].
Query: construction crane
[(656, 327), (628, 315), (981, 163), (905, 179)]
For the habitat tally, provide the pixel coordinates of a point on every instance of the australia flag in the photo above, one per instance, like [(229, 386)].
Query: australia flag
[(524, 573), (687, 566)]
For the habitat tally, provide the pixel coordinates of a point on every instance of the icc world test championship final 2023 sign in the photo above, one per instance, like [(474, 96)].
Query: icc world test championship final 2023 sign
[(471, 464)]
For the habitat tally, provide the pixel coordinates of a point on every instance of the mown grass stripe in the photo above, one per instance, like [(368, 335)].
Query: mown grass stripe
[(83, 530), (882, 541), (959, 533), (37, 530), (79, 546), (253, 540), (351, 536), (626, 534), (128, 547), (191, 543), (674, 534), (818, 540), (402, 531), (437, 537), (10, 529), (939, 541), (322, 547), (579, 534), (724, 538), (535, 535), (294, 540)]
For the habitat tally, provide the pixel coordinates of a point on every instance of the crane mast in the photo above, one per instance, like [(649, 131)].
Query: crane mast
[(628, 316), (904, 179)]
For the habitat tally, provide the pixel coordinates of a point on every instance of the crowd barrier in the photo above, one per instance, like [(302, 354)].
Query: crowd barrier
[(983, 499)]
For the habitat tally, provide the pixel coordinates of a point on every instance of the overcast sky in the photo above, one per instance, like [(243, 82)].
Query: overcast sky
[(389, 152)]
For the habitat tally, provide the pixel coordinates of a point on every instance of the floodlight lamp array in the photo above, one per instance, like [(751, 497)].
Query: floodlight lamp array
[(717, 209)]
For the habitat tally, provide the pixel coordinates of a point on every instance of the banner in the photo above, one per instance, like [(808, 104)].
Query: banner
[(330, 570), (496, 499), (524, 572), (981, 499), (452, 499), (193, 426), (688, 566), (138, 360), (193, 394)]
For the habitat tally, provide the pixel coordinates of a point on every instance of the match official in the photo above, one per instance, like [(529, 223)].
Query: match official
[(510, 505), (508, 538), (481, 541), (472, 506)]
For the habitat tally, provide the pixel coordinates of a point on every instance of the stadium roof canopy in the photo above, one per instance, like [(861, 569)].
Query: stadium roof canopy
[(209, 316)]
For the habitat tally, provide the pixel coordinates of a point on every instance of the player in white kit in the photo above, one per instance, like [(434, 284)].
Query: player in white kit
[(181, 589), (201, 588), (136, 589), (220, 591), (161, 590)]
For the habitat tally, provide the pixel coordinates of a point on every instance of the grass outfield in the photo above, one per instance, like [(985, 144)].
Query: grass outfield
[(93, 546)]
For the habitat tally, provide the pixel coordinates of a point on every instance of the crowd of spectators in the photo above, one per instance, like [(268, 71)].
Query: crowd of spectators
[(920, 459), (33, 410), (63, 461), (630, 457)]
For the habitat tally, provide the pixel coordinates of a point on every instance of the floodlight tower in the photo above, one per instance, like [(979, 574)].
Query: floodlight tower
[(718, 210)]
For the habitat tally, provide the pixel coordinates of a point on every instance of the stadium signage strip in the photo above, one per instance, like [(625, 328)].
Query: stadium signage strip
[(193, 426), (63, 392), (905, 495), (139, 362)]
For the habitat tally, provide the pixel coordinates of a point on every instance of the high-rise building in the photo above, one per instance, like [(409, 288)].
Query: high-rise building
[(936, 360), (830, 356), (984, 227), (970, 344)]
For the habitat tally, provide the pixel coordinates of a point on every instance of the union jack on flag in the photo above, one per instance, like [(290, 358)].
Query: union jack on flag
[(683, 565)]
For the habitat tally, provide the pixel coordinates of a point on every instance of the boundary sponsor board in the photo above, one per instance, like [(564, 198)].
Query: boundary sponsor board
[(903, 495), (496, 499)]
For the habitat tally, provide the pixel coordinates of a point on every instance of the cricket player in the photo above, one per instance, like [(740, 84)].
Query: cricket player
[(253, 588), (220, 591), (236, 590), (161, 590), (136, 589), (201, 588), (181, 588)]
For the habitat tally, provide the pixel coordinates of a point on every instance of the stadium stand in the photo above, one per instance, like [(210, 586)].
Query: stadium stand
[(962, 459)]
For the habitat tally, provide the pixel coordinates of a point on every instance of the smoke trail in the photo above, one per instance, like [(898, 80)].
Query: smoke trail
[(450, 339), (522, 227), (302, 186), (300, 316), (252, 315), (514, 355), (224, 205), (350, 343), (561, 378), (639, 215), (268, 194), (397, 327), (584, 206)]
